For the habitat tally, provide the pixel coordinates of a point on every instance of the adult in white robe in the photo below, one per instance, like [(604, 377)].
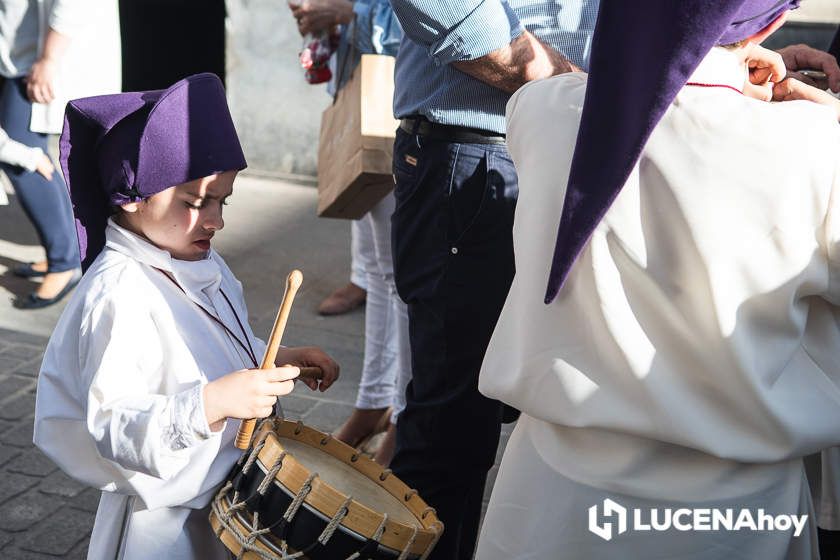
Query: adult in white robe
[(119, 404), (692, 357)]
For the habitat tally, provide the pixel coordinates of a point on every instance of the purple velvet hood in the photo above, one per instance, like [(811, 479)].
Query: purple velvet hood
[(642, 55), (124, 147)]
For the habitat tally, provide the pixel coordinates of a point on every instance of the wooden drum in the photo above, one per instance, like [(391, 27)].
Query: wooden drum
[(299, 493)]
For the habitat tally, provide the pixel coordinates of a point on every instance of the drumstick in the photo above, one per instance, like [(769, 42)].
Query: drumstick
[(311, 372), (293, 282)]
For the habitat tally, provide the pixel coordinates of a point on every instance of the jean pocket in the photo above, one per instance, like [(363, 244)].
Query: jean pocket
[(406, 159)]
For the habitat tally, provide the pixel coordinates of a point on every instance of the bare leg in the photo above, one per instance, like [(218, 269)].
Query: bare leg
[(361, 424)]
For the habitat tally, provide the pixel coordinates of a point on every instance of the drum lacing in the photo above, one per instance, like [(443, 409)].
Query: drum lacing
[(254, 452), (404, 554), (328, 531), (296, 503), (377, 536), (435, 539), (224, 523), (269, 477), (384, 474)]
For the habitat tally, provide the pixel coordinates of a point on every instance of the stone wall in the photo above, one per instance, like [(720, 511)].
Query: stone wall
[(276, 112)]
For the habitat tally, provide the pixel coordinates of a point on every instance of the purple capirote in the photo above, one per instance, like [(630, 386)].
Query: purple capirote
[(124, 147), (642, 55)]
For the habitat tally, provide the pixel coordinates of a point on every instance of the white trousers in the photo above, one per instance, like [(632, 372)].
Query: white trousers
[(387, 361)]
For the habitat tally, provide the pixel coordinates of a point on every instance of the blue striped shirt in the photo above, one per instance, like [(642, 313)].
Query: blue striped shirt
[(437, 33), (374, 30)]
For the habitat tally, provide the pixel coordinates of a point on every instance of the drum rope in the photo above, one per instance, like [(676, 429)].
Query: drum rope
[(377, 536), (269, 477), (328, 531), (295, 505), (435, 538), (404, 554)]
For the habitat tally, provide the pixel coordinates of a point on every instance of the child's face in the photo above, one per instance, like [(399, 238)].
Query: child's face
[(184, 218)]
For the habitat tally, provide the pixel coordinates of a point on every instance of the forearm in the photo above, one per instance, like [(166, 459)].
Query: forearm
[(55, 45), (525, 59)]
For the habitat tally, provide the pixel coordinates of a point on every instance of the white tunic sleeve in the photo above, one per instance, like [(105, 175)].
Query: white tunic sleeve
[(132, 422)]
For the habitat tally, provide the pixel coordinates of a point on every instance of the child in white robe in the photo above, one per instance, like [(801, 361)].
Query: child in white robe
[(685, 357), (153, 352)]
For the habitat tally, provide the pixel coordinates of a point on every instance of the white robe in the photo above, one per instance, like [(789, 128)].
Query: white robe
[(119, 402), (693, 356)]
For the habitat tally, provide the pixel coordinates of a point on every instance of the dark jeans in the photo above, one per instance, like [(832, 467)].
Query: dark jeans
[(46, 203), (453, 265)]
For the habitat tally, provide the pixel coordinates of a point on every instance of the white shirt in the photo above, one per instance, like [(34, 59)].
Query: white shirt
[(119, 403), (91, 64), (693, 353)]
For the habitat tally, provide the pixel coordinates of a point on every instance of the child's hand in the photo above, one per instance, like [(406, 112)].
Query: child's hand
[(307, 356), (247, 393), (45, 167), (790, 89)]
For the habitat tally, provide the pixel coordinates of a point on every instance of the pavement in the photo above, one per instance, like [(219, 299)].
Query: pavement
[(271, 228)]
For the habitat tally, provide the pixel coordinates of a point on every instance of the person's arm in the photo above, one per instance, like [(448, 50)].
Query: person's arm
[(315, 16), (482, 38), (31, 159), (41, 77), (803, 57), (67, 19), (791, 89), (509, 68), (377, 29)]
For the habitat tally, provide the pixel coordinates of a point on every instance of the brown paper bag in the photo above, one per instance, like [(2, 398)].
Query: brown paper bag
[(357, 140)]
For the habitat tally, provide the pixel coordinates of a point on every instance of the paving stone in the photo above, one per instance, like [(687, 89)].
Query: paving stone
[(30, 368), (5, 426), (327, 416), (23, 511), (11, 384), (79, 552), (18, 337), (19, 436), (9, 364), (7, 453), (296, 406), (18, 408), (60, 484), (86, 500), (5, 538), (22, 351), (31, 462), (12, 484), (60, 533), (14, 553)]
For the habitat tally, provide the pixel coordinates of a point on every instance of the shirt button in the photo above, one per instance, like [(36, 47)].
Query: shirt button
[(454, 250)]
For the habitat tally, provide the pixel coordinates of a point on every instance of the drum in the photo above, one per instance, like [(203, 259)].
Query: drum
[(299, 493)]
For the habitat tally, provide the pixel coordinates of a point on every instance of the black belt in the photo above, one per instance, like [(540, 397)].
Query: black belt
[(450, 133)]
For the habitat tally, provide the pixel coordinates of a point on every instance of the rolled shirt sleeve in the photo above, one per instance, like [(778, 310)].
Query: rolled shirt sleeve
[(68, 16), (457, 31)]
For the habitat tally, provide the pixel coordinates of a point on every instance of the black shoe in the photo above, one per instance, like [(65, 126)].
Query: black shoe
[(25, 270), (33, 301)]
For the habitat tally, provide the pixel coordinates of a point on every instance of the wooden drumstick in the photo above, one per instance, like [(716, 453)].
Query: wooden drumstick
[(293, 282), (311, 372)]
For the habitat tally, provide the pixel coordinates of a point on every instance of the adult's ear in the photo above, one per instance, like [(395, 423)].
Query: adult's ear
[(769, 30), (130, 207)]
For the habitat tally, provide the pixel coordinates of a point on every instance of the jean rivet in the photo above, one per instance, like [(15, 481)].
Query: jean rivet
[(454, 250)]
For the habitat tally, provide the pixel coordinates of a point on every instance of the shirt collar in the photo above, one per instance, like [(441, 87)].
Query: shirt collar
[(721, 67), (199, 279)]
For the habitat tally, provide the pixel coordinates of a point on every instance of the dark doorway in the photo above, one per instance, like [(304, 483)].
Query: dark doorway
[(166, 40)]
